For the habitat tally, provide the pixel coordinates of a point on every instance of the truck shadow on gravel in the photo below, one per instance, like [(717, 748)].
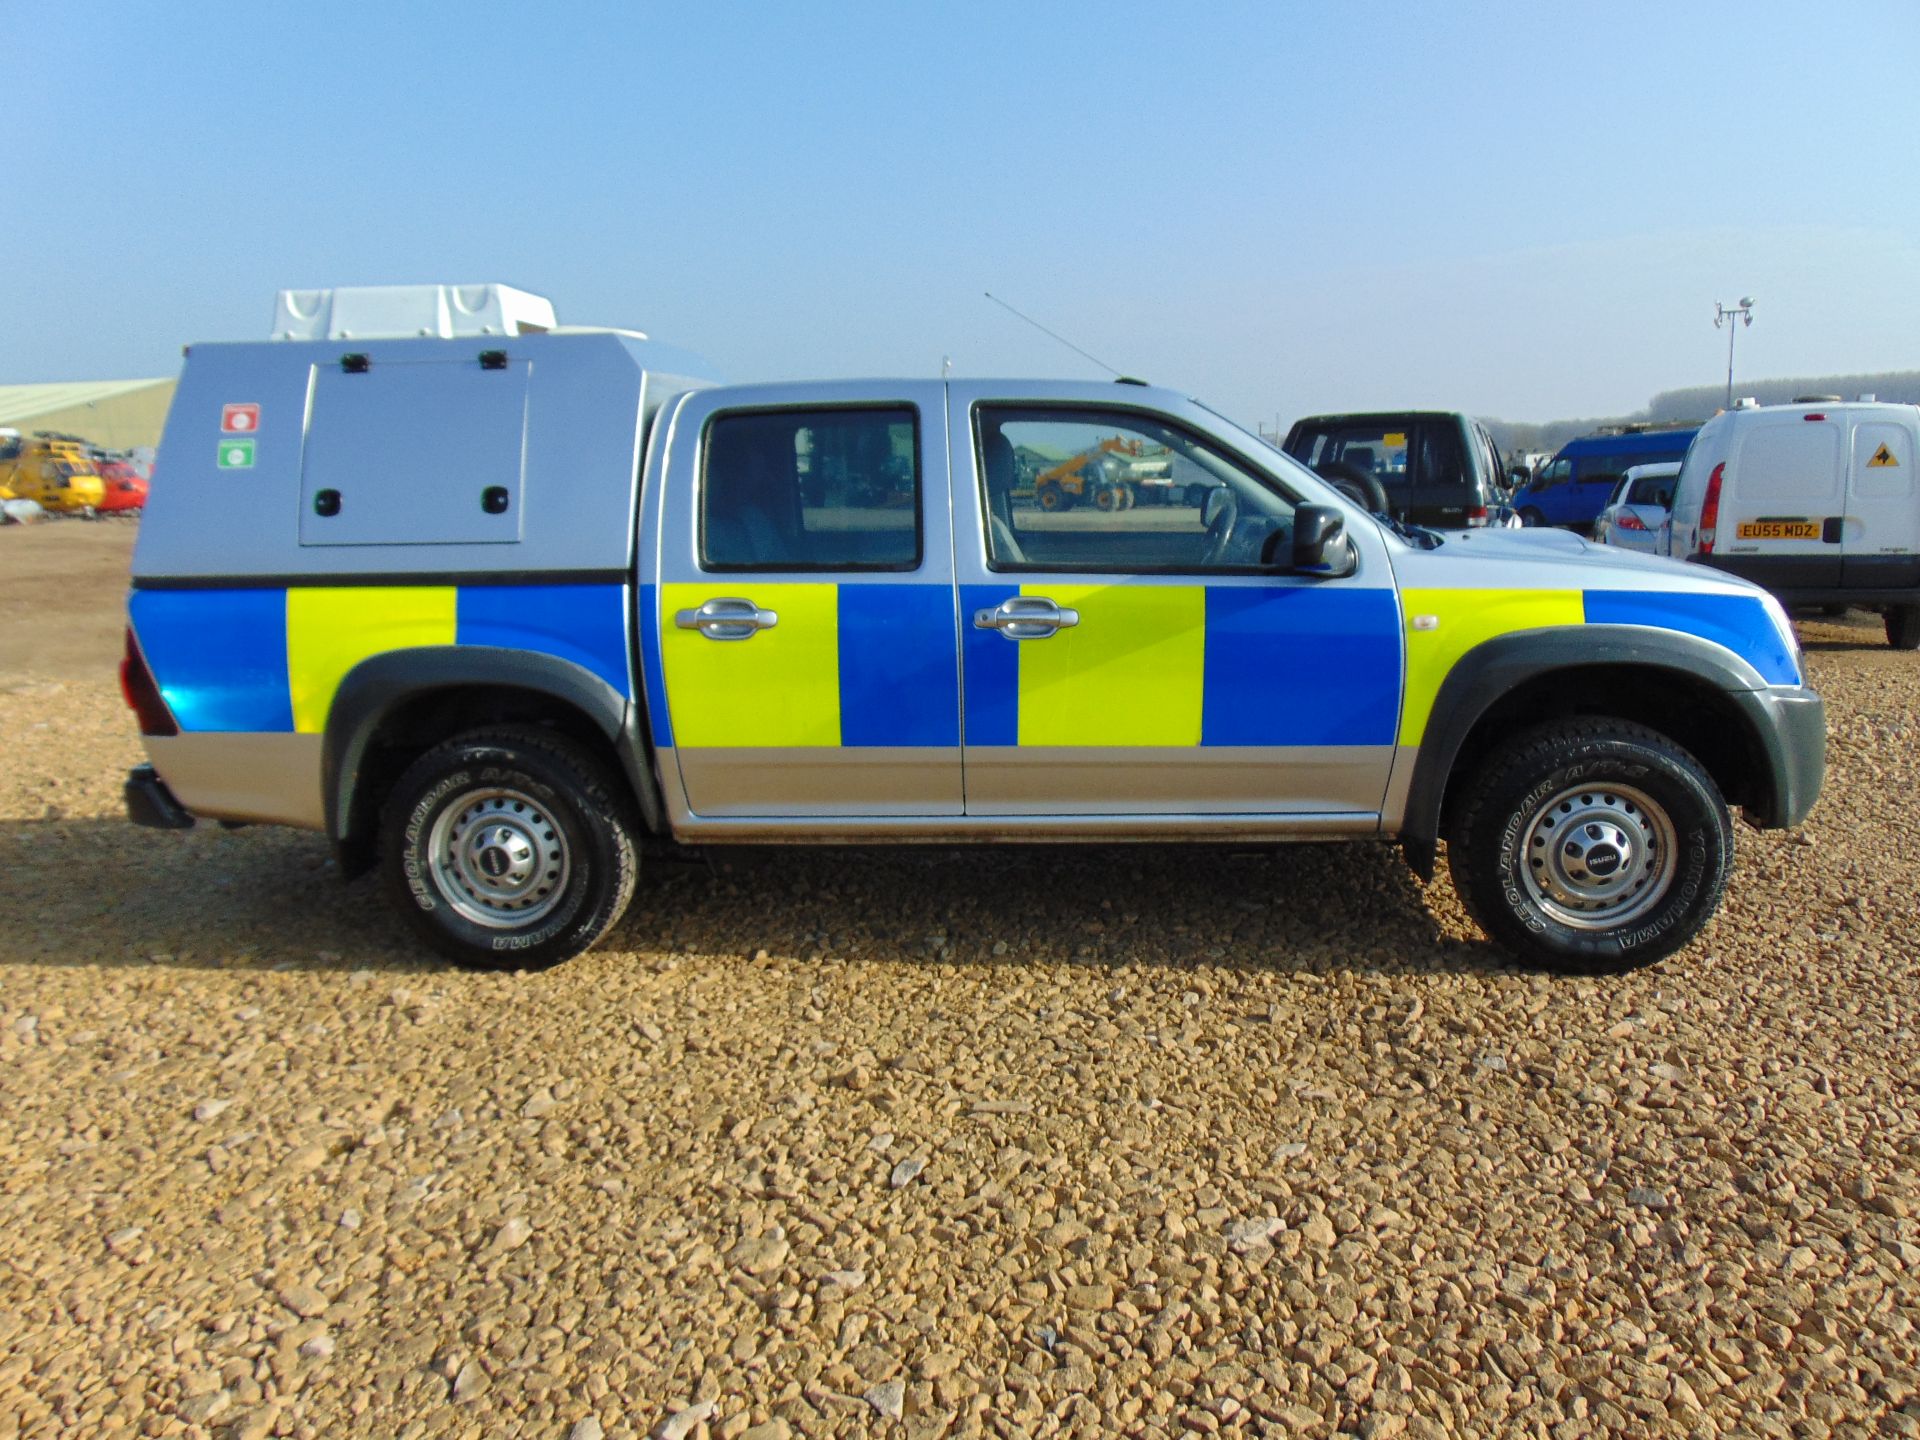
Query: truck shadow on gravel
[(101, 892), (1293, 907)]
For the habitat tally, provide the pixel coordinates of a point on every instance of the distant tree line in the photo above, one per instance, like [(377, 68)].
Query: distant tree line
[(1701, 402)]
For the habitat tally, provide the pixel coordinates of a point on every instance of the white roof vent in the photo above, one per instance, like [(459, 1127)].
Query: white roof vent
[(392, 312), (1746, 402)]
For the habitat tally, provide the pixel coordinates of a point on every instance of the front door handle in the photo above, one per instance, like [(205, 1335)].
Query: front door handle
[(727, 619), (1026, 617)]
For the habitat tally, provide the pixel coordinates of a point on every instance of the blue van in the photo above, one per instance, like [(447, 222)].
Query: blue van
[(1575, 486)]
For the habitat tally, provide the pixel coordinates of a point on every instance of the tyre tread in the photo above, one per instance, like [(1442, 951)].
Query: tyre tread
[(1539, 749), (593, 790)]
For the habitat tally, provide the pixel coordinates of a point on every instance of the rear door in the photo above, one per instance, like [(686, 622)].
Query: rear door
[(1782, 500), (1133, 663), (1880, 537), (804, 614)]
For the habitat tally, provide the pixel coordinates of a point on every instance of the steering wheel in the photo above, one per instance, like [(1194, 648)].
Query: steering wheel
[(1219, 538)]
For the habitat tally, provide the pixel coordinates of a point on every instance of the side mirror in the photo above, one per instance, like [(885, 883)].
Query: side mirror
[(1320, 541)]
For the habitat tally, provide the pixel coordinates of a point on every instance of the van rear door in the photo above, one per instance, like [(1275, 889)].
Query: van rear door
[(1782, 499), (1880, 536)]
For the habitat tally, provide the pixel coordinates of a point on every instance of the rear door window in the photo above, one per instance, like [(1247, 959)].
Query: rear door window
[(825, 489), (1652, 490), (1442, 461)]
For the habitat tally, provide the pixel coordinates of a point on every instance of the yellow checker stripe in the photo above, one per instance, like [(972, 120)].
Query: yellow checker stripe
[(1130, 673), (331, 629), (1466, 618), (779, 688)]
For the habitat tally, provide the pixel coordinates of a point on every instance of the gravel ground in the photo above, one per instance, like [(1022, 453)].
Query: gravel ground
[(916, 1144)]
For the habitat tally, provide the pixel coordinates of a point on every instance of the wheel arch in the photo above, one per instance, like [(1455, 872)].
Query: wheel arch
[(391, 707), (1699, 694)]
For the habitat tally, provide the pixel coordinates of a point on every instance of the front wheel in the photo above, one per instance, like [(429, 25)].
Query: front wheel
[(1591, 845), (1903, 627), (1532, 518), (508, 849)]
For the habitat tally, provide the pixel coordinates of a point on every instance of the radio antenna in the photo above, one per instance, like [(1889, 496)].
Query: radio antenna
[(1044, 331)]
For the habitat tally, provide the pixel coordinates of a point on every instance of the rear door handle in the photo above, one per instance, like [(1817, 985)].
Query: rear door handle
[(1026, 617), (727, 619)]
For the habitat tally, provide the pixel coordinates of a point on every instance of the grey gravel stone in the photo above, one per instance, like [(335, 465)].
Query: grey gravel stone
[(889, 1399)]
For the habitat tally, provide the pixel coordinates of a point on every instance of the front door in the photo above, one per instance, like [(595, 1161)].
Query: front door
[(1880, 539), (1134, 659), (808, 641)]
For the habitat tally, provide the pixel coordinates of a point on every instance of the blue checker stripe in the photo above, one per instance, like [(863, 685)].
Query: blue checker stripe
[(899, 684), (586, 624), (653, 676), (219, 656), (1301, 666), (1739, 622), (993, 670)]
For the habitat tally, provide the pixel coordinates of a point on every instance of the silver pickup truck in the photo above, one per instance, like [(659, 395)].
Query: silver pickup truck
[(497, 605)]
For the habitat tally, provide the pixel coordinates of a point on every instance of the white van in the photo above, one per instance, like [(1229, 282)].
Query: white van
[(1814, 501)]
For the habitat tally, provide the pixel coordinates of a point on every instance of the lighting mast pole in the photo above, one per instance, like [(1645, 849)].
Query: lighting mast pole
[(1726, 315)]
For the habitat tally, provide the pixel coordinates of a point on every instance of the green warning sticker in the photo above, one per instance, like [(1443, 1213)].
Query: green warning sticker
[(236, 454)]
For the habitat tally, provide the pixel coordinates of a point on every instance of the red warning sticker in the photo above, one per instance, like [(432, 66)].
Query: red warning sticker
[(239, 419)]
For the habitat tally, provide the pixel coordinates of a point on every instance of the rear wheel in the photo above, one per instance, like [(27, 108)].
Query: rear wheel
[(1591, 845), (1903, 627), (508, 849)]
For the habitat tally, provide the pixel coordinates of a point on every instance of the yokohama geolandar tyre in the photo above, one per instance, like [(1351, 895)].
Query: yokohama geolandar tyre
[(1591, 845), (508, 849)]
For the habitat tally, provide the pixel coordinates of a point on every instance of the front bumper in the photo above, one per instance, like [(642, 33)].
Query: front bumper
[(151, 803), (1791, 722)]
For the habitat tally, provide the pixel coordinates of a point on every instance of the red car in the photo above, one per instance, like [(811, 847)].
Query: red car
[(126, 487)]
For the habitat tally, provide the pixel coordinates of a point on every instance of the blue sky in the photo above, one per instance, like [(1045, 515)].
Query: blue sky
[(1523, 210)]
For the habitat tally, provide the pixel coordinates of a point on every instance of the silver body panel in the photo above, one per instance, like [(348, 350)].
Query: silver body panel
[(1163, 780), (771, 781), (271, 779)]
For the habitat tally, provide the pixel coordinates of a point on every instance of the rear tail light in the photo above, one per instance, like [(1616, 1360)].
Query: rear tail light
[(1710, 510), (142, 694), (1627, 520), (1477, 515)]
